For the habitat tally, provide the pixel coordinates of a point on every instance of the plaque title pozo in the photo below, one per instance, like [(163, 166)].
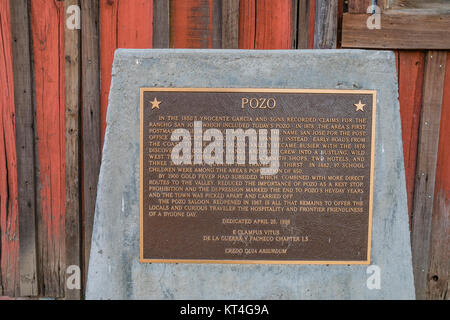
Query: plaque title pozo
[(256, 175)]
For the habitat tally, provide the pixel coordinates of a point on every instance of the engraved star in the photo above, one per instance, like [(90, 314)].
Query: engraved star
[(155, 104), (359, 106)]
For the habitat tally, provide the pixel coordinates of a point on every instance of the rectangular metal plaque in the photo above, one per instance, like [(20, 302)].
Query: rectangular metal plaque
[(281, 176)]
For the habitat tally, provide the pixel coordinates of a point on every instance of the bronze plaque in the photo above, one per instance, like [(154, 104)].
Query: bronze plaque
[(282, 176)]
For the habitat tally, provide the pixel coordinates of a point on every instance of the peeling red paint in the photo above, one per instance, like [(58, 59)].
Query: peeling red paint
[(265, 24), (48, 23), (9, 228)]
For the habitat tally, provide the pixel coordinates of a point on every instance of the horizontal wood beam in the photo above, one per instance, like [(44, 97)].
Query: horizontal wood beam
[(398, 31)]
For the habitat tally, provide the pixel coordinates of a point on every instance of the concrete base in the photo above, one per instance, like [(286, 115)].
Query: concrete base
[(115, 271)]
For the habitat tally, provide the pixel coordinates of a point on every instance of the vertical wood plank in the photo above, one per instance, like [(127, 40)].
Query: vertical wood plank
[(135, 19), (303, 24), (312, 22), (126, 24), (72, 139), (215, 23), (48, 48), (90, 68), (195, 24), (410, 82), (439, 266), (340, 14), (161, 24), (23, 97), (230, 24), (294, 23), (265, 24), (9, 237), (325, 34), (433, 87), (273, 24), (247, 24), (108, 44)]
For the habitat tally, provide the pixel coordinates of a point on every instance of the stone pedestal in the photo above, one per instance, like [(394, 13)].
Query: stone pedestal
[(115, 271)]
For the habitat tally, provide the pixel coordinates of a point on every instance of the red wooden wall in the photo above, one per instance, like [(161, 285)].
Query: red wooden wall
[(9, 231), (123, 24), (245, 24), (48, 22)]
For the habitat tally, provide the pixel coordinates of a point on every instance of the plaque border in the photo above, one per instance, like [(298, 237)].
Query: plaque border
[(254, 90)]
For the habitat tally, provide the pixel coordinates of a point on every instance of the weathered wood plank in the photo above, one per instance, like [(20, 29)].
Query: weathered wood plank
[(215, 21), (325, 34), (433, 88), (108, 44), (303, 24), (9, 229), (161, 24), (127, 24), (340, 14), (397, 32), (358, 6), (90, 68), (247, 24), (273, 24), (265, 24), (195, 24), (418, 6), (135, 24), (73, 140), (439, 266), (294, 23), (230, 24), (312, 22), (410, 82), (48, 25), (23, 97)]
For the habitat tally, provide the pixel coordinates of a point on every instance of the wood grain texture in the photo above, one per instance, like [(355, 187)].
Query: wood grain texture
[(135, 24), (294, 23), (397, 32), (216, 23), (439, 265), (46, 146), (9, 228), (312, 22), (230, 24), (303, 23), (340, 14), (418, 6), (433, 88), (195, 24), (265, 24), (24, 109), (73, 139), (358, 6), (48, 48), (273, 24), (108, 44), (410, 82), (325, 34), (247, 24), (161, 24), (123, 24), (91, 126)]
